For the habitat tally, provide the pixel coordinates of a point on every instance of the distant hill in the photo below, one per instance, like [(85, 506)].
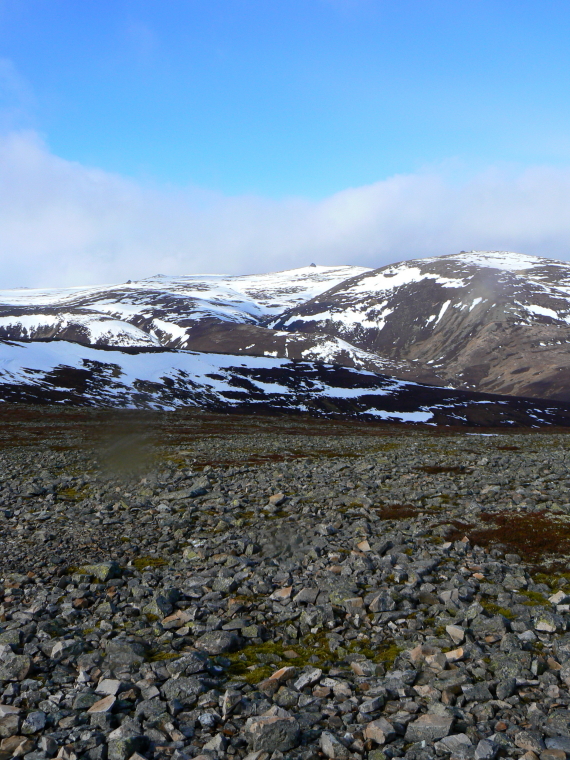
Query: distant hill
[(489, 321)]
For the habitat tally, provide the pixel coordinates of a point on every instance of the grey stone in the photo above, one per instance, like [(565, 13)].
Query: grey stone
[(272, 732), (332, 747), (306, 596), (506, 688), (159, 607), (123, 748), (184, 688), (380, 731), (559, 720), (217, 743), (188, 664), (308, 678), (453, 743), (48, 745), (429, 728), (124, 654), (9, 725), (218, 642), (65, 648), (486, 750), (109, 686), (15, 668), (530, 741), (478, 692), (558, 742), (382, 602), (85, 700), (103, 571), (372, 705)]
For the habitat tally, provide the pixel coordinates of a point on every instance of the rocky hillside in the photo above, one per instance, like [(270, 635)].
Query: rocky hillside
[(261, 590), (488, 321), (58, 372)]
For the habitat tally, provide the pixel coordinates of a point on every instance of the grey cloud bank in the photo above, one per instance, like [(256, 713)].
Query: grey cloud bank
[(62, 223)]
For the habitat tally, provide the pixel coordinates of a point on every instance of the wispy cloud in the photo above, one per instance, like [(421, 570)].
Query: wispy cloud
[(62, 223)]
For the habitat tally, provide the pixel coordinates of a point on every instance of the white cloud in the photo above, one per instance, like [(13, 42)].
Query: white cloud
[(62, 223)]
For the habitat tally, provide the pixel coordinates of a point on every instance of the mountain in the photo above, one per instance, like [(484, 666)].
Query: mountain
[(211, 313), (60, 372), (160, 310), (487, 321), (490, 321)]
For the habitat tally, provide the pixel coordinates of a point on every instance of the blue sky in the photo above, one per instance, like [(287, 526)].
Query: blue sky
[(293, 97), (243, 135)]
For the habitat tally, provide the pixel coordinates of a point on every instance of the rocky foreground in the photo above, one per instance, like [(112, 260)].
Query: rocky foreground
[(190, 585)]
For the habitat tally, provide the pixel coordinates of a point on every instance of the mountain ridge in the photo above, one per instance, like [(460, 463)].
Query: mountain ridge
[(480, 320), (486, 321)]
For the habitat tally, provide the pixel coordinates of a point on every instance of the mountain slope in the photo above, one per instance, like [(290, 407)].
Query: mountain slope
[(58, 372), (481, 320), (159, 310), (216, 313), (487, 321)]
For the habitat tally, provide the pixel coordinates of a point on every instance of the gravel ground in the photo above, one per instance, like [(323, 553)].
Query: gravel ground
[(179, 585)]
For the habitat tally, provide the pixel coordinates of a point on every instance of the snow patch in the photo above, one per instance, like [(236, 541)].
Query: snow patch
[(402, 416), (399, 275), (159, 326), (543, 312), (442, 311), (508, 261)]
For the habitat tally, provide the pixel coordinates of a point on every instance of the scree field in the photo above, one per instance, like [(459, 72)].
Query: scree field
[(177, 584)]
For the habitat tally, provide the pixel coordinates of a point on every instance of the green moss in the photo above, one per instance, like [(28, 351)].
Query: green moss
[(313, 649), (179, 461), (156, 655), (245, 664), (534, 598), (387, 654), (276, 516), (494, 609), (552, 580), (141, 563), (72, 494)]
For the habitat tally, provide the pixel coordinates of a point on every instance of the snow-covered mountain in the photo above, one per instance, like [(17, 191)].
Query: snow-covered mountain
[(59, 372), (159, 311), (214, 313), (483, 320)]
